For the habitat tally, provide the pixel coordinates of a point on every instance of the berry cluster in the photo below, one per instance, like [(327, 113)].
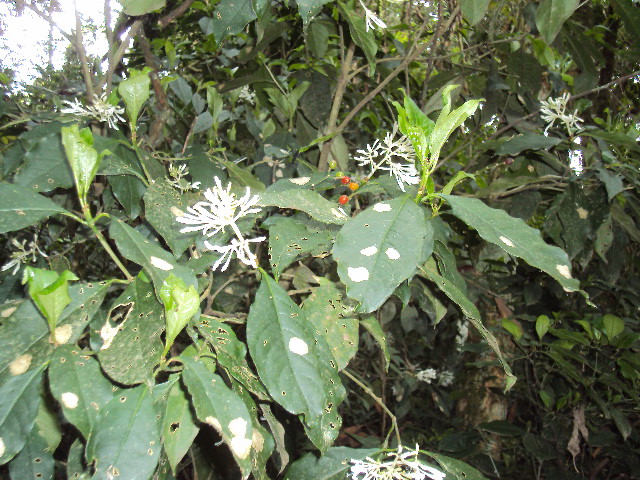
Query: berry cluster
[(347, 182)]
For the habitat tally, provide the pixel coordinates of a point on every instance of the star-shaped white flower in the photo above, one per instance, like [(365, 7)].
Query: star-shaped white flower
[(239, 246), (371, 19)]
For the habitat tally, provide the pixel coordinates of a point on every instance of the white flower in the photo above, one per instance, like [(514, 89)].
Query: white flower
[(400, 466), (445, 378), (223, 209), (575, 161), (100, 109), (177, 181), (24, 253), (247, 95), (371, 19), (426, 375), (556, 109), (388, 155)]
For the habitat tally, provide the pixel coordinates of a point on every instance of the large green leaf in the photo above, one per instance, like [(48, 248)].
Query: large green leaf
[(515, 237), (527, 141), (157, 262), (474, 10), (140, 7), (21, 207), (128, 190), (217, 405), (230, 18), (132, 348), (231, 354), (309, 9), (35, 460), (552, 14), (295, 362), (125, 438), (135, 92), (333, 465), (178, 426), (19, 400), (471, 312), (361, 36), (308, 201), (332, 318), (79, 385), (380, 248)]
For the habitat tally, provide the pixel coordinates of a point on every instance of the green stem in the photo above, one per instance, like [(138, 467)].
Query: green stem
[(90, 221)]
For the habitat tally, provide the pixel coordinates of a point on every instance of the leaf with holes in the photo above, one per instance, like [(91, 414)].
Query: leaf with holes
[(157, 262), (307, 201), (218, 406), (379, 249), (231, 354), (309, 9), (20, 207), (76, 381), (295, 362), (230, 17), (470, 311), (132, 348), (125, 438), (162, 204), (551, 15), (326, 311), (178, 426), (35, 460), (515, 237), (19, 400), (290, 238), (333, 465), (24, 335)]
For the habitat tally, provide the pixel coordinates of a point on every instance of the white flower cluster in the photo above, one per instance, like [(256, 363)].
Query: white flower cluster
[(575, 161), (223, 209), (100, 109), (247, 96), (556, 109), (401, 465), (371, 19), (389, 155), (177, 181), (427, 375), (24, 253)]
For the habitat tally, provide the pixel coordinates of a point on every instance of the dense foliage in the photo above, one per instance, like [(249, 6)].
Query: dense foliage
[(325, 240)]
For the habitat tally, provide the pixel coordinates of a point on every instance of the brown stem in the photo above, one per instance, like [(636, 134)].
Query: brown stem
[(133, 31), (157, 126), (78, 44), (173, 14)]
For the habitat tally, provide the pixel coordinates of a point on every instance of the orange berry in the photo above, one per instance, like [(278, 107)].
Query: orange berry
[(353, 186)]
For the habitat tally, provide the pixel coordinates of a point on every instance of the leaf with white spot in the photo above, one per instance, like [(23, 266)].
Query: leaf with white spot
[(308, 201), (325, 309), (125, 438), (19, 400), (303, 384), (178, 426), (380, 248), (497, 226), (219, 406), (135, 349), (76, 381)]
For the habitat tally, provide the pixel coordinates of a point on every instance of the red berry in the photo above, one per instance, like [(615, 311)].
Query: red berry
[(508, 161), (343, 199), (345, 180)]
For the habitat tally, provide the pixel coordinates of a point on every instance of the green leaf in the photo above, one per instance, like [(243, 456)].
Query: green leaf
[(622, 422), (630, 17), (19, 400), (512, 327), (178, 427), (180, 304), (125, 439), (375, 329), (527, 141), (542, 326), (470, 311), (141, 7), (294, 362), (20, 207), (163, 204), (309, 9), (48, 427), (83, 158), (308, 201), (217, 405), (333, 465), (128, 190), (157, 262), (613, 326), (379, 249), (290, 238), (324, 309), (50, 292), (515, 237), (539, 447), (457, 468), (135, 92), (132, 348), (474, 10), (551, 14), (415, 125), (231, 353), (362, 37), (230, 18), (79, 385), (35, 460), (75, 461)]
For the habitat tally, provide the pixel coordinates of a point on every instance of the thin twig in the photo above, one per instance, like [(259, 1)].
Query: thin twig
[(78, 45), (175, 13)]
